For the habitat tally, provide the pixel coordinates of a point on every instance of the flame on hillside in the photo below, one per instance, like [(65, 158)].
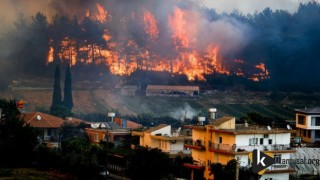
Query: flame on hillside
[(124, 56)]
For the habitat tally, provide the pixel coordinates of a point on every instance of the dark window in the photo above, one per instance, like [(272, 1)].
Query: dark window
[(220, 140), (261, 141), (317, 134), (265, 135), (301, 119), (49, 132), (304, 133), (309, 133), (270, 141), (315, 121)]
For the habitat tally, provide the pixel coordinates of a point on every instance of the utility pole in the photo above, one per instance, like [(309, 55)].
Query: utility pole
[(237, 168)]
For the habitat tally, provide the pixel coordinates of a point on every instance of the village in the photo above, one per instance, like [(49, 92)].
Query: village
[(159, 90), (206, 141)]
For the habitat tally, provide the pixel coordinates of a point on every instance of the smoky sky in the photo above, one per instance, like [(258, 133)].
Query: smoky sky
[(252, 6), (226, 32)]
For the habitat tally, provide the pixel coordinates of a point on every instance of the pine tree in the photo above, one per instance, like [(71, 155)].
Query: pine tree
[(56, 96), (68, 101)]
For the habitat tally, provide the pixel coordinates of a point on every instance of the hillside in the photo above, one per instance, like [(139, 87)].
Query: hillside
[(102, 100)]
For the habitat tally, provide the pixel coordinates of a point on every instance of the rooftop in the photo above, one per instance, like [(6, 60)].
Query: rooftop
[(43, 120), (255, 129), (243, 129), (181, 88), (221, 120), (160, 126), (315, 110)]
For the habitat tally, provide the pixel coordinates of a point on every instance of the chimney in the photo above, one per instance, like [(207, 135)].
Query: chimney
[(212, 112), (201, 120)]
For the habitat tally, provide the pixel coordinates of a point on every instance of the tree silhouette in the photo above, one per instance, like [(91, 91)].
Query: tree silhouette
[(17, 139), (56, 96), (68, 100)]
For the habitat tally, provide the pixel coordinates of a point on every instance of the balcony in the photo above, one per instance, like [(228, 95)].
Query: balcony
[(195, 165), (279, 168), (234, 149), (198, 144)]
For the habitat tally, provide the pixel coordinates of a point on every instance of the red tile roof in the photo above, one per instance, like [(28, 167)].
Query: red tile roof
[(42, 120)]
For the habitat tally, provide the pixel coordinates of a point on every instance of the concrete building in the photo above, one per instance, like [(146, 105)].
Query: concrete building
[(108, 132), (175, 91), (308, 124), (223, 140), (129, 90), (162, 138)]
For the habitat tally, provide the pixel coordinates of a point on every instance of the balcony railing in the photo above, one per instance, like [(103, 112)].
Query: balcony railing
[(235, 148), (198, 144)]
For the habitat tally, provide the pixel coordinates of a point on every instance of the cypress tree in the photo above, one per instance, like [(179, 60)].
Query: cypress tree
[(68, 101), (56, 96)]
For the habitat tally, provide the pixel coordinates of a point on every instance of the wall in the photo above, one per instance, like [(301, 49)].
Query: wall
[(278, 176)]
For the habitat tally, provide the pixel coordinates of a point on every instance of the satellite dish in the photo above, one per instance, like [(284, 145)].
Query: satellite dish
[(288, 127), (269, 128), (38, 117)]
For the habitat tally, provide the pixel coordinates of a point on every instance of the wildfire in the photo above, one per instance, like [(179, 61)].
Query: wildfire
[(50, 55), (125, 56), (151, 26)]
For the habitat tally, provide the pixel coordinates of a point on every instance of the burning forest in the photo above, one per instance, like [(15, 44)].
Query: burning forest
[(145, 38), (173, 36)]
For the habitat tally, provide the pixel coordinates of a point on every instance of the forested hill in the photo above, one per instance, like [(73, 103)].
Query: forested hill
[(283, 45)]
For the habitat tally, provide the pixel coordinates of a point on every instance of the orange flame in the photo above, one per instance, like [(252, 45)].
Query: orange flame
[(151, 26), (125, 57), (50, 55)]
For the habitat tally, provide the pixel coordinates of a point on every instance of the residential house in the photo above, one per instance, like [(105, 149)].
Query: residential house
[(163, 138), (308, 124), (48, 126), (115, 132), (223, 140)]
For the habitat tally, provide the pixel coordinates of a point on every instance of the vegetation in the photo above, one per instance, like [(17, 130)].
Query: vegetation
[(58, 107), (287, 43), (56, 96), (67, 99), (17, 140), (228, 171)]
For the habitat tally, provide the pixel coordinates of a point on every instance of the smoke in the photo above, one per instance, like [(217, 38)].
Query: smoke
[(252, 6), (185, 112)]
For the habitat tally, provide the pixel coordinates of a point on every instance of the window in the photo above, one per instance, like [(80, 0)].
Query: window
[(277, 158), (309, 133), (253, 141), (261, 141), (301, 120), (317, 134), (270, 141), (220, 140), (266, 136), (96, 137), (304, 133), (315, 121), (49, 132)]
